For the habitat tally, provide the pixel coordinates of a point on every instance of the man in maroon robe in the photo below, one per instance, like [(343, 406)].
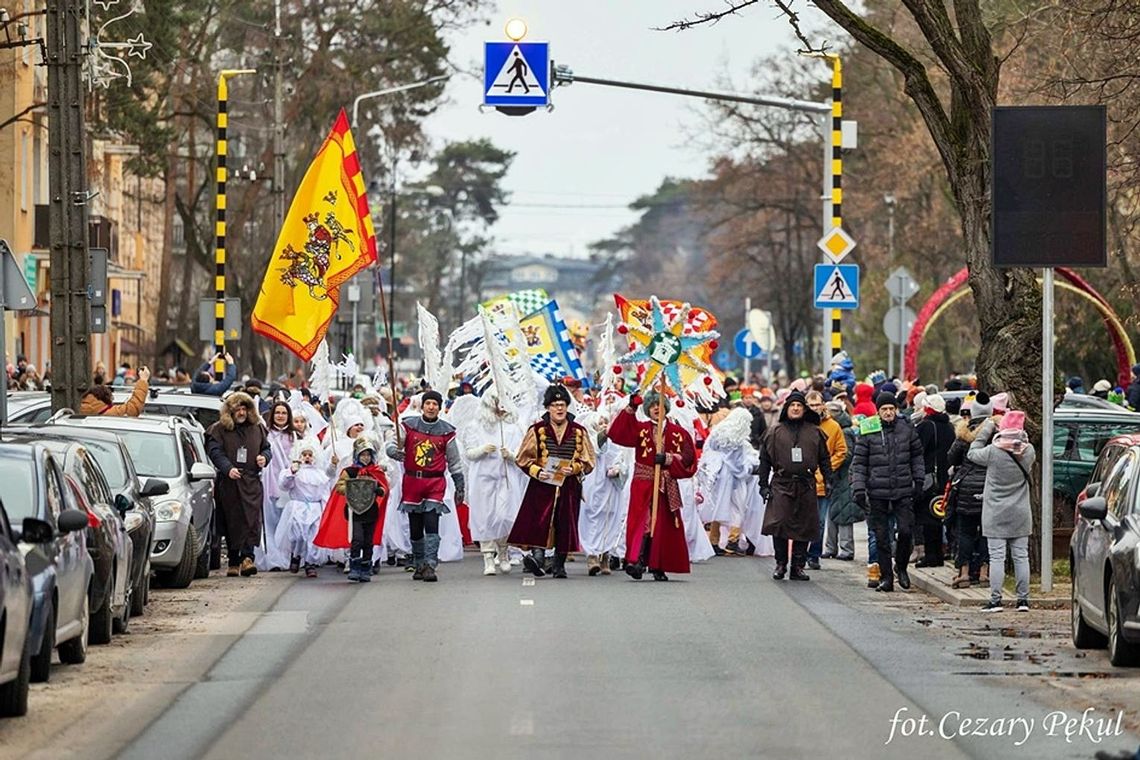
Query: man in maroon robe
[(556, 453), (667, 550)]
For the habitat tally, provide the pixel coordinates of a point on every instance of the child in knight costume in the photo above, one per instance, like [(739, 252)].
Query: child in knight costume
[(355, 510), (429, 451), (304, 488)]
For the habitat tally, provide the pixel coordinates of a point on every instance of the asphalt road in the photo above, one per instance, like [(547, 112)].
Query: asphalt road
[(724, 663)]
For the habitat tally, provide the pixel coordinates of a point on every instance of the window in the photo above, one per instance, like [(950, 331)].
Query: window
[(1105, 462), (188, 452), (1119, 485), (154, 454), (1091, 438), (109, 458), (55, 498), (18, 476), (96, 483)]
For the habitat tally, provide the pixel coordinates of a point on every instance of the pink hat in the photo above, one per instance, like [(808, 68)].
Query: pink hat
[(1012, 420), (1000, 402)]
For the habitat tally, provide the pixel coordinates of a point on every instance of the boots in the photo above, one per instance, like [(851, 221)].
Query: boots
[(615, 563), (873, 576), (780, 571), (488, 563), (504, 557), (593, 565), (533, 562), (559, 566), (606, 563), (364, 569), (418, 559), (963, 579), (429, 575), (637, 569), (354, 574), (984, 575)]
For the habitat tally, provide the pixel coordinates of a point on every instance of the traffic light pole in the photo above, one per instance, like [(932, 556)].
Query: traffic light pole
[(67, 211)]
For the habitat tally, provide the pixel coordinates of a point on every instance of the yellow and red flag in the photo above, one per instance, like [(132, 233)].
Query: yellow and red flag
[(327, 237)]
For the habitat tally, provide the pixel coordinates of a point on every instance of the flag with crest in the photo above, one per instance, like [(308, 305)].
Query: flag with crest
[(327, 237)]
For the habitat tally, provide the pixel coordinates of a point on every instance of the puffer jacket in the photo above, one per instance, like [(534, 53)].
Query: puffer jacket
[(888, 463), (937, 435), (969, 478), (843, 509)]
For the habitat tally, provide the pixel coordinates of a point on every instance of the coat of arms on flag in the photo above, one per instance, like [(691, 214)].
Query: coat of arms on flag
[(327, 237)]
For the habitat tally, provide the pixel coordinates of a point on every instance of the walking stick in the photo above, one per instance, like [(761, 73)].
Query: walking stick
[(660, 440)]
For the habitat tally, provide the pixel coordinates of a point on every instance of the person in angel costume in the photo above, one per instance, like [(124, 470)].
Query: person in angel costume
[(282, 436), (304, 489), (727, 483), (605, 495), (697, 539), (489, 434)]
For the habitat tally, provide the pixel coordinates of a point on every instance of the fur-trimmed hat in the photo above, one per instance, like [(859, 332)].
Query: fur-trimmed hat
[(556, 393), (652, 399), (361, 444)]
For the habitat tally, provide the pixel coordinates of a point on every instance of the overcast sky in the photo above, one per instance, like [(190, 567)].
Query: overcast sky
[(578, 167)]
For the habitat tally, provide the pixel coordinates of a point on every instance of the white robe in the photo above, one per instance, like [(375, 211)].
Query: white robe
[(700, 548), (605, 502), (266, 555), (731, 493), (495, 485), (304, 495)]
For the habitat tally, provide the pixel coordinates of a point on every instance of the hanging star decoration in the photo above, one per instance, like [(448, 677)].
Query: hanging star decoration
[(671, 357)]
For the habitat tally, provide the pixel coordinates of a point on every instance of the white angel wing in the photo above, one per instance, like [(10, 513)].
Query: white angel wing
[(320, 380), (429, 344)]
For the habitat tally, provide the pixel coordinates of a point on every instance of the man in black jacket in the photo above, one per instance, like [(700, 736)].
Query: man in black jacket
[(936, 434), (886, 477)]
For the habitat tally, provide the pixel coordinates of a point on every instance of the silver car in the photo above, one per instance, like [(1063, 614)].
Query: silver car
[(170, 448)]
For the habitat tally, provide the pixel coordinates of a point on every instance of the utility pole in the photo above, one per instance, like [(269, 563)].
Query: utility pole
[(67, 216)]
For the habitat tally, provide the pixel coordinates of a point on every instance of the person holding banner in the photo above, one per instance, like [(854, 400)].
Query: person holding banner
[(663, 453)]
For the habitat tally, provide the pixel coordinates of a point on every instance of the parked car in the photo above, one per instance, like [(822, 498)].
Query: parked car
[(178, 400), (169, 449), (1079, 435), (1112, 451), (1105, 559), (16, 613), (132, 496), (1084, 401), (25, 407), (61, 569)]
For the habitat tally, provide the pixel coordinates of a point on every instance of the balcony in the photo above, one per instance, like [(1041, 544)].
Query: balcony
[(101, 233)]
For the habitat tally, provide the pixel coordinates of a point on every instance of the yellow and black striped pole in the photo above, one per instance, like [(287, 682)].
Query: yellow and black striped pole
[(836, 178), (220, 225)]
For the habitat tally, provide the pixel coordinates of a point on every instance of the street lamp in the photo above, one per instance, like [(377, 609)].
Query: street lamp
[(392, 91)]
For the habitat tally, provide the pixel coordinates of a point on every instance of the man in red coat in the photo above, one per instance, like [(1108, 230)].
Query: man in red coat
[(668, 550)]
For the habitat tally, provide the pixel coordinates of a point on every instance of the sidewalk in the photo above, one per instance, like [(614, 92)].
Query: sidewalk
[(936, 580)]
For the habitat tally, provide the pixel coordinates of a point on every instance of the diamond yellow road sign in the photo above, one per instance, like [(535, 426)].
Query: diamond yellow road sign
[(836, 244)]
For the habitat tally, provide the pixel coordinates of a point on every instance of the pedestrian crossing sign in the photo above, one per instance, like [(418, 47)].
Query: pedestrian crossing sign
[(516, 74), (836, 286)]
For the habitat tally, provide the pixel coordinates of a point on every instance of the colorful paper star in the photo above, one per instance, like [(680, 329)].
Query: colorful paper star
[(671, 356)]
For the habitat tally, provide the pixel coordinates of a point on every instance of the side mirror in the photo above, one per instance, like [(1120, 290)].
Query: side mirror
[(155, 487), (122, 505), (201, 471), (1093, 509), (37, 531), (71, 520)]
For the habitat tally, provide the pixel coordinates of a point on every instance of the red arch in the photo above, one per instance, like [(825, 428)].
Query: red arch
[(1120, 342)]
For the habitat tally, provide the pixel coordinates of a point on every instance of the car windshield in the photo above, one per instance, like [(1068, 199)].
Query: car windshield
[(154, 454), (17, 474), (110, 459)]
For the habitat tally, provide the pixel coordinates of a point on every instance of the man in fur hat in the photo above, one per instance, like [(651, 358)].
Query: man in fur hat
[(556, 453), (429, 451), (239, 448), (676, 456), (794, 451)]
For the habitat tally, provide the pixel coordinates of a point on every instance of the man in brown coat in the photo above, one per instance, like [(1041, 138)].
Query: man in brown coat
[(238, 446), (793, 452)]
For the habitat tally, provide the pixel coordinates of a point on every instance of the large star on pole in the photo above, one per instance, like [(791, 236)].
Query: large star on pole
[(670, 357)]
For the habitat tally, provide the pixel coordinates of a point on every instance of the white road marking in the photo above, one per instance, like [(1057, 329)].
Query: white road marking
[(528, 581), (526, 602)]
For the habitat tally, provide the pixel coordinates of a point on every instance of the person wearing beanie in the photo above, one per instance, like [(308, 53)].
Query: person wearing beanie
[(937, 435), (793, 452), (982, 407), (1101, 388), (429, 452), (556, 453), (1132, 395), (887, 479), (1076, 385), (662, 546), (1008, 456)]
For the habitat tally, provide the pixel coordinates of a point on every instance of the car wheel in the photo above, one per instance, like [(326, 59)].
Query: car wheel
[(138, 594), (1120, 652), (102, 619), (41, 661), (1084, 637), (181, 575), (202, 564), (74, 651), (14, 694)]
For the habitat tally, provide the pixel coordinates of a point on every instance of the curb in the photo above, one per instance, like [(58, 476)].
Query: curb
[(929, 580)]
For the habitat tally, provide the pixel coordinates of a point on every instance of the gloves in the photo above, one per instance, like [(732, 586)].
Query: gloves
[(917, 490), (659, 459), (861, 500), (766, 492), (489, 448), (634, 401)]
